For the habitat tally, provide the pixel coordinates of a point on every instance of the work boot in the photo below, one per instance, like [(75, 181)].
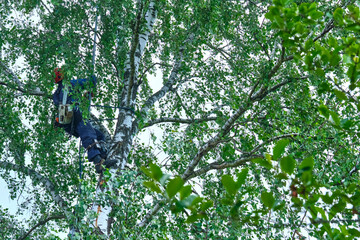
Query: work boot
[(100, 163)]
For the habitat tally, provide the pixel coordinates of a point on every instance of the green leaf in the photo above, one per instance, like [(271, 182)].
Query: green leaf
[(327, 199), (340, 95), (306, 177), (281, 176), (174, 186), (262, 162), (307, 164), (354, 232), (320, 72), (268, 199), (185, 192), (155, 171), (338, 15), (206, 205), (334, 118), (322, 212), (280, 148), (229, 184), (164, 178), (351, 73), (336, 208), (347, 58), (192, 218), (146, 171), (241, 177), (189, 201), (309, 61), (152, 186), (316, 15), (308, 45), (197, 200), (287, 164), (324, 111), (279, 205)]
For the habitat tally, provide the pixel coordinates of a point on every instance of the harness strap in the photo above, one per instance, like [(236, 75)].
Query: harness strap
[(93, 144), (65, 94)]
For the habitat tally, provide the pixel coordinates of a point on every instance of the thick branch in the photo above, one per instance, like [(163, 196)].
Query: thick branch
[(150, 214), (171, 81), (49, 186), (133, 50), (42, 222), (330, 25), (20, 86), (215, 141)]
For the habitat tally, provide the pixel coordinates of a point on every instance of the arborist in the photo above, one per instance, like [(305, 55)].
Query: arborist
[(70, 118)]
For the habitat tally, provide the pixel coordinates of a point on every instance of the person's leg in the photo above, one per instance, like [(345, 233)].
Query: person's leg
[(101, 140), (99, 135), (88, 139)]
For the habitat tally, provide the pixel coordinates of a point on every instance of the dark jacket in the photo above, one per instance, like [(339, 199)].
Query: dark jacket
[(75, 84)]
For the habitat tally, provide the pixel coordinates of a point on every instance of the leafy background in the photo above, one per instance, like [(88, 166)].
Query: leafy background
[(265, 105)]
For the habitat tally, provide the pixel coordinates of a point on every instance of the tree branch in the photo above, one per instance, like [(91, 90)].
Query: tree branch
[(20, 86), (178, 120), (49, 186), (262, 93), (214, 141), (330, 25), (150, 67), (150, 214), (262, 47), (171, 81), (42, 222), (222, 165), (290, 135), (134, 47)]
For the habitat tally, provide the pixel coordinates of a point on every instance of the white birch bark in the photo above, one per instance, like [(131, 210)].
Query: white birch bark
[(123, 137)]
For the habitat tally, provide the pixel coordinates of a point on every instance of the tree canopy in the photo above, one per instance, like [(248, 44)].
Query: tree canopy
[(234, 119)]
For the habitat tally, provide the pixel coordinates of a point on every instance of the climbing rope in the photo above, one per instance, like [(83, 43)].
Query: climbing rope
[(72, 123), (125, 108), (93, 71)]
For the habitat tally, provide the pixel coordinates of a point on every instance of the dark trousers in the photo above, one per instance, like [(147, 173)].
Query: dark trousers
[(86, 132)]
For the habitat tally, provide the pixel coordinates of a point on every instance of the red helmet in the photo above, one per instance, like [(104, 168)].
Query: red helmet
[(59, 75)]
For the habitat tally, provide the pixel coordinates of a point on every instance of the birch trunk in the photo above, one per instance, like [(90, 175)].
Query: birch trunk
[(124, 133)]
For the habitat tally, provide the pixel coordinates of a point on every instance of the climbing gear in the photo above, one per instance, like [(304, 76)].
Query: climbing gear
[(59, 75), (94, 144), (65, 110), (100, 160), (99, 167), (125, 108)]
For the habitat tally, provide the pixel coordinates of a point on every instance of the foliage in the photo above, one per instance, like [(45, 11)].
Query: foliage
[(254, 133)]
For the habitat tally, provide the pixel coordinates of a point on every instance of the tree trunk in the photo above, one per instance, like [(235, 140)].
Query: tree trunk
[(126, 126)]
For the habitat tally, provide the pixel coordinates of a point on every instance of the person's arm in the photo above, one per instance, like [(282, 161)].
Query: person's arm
[(83, 81), (87, 85), (56, 96)]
